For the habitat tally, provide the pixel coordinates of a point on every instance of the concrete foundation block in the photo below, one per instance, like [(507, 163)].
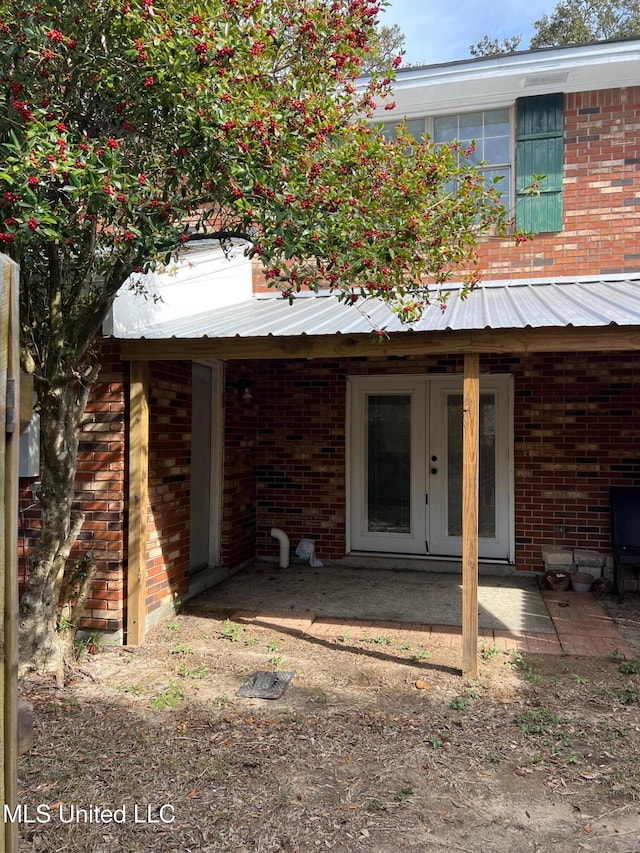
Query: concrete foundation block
[(556, 557), (588, 559)]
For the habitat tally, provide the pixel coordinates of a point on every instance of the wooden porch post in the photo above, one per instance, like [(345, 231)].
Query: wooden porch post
[(471, 432), (9, 459), (138, 502)]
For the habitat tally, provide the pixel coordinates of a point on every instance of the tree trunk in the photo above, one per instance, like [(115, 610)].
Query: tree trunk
[(61, 410)]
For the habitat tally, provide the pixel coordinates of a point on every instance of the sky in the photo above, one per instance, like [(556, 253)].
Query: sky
[(442, 30)]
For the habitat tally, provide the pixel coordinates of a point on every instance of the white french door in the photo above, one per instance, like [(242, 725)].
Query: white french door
[(406, 465)]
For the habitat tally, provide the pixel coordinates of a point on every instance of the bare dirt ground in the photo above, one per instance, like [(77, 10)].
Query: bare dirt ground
[(377, 745)]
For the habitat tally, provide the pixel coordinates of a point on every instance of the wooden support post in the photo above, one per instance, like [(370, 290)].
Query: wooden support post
[(471, 433), (9, 406), (138, 502)]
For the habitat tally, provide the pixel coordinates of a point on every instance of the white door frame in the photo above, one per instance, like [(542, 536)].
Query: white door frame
[(357, 388)]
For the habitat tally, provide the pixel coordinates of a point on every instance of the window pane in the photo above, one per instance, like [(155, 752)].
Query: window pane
[(496, 123), (415, 126), (487, 466), (389, 463), (503, 186), (496, 149), (476, 157), (471, 126), (454, 464), (490, 131), (445, 128), (388, 130)]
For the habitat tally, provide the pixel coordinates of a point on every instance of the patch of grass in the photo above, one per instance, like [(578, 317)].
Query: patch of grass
[(285, 794), (342, 638), (272, 646), (182, 649), (219, 701), (526, 668), (292, 717), (616, 654), (201, 671), (250, 641), (382, 640), (623, 780), (579, 679), (134, 689), (459, 703), (169, 698), (231, 631), (489, 652), (421, 654), (436, 743), (276, 661), (173, 627), (87, 645), (537, 722), (402, 794), (631, 667), (474, 691), (629, 695)]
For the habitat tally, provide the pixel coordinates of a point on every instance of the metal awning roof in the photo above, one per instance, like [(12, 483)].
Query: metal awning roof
[(587, 302)]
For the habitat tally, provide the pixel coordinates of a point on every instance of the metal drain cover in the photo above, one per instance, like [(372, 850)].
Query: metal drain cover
[(265, 685)]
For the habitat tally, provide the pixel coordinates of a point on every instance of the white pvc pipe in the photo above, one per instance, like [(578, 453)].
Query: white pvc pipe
[(283, 539)]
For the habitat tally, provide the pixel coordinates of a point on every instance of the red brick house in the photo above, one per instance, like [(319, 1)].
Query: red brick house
[(224, 412)]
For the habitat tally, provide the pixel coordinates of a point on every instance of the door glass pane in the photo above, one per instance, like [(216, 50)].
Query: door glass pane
[(389, 463), (487, 466)]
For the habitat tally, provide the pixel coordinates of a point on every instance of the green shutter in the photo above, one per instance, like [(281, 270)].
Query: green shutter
[(539, 152)]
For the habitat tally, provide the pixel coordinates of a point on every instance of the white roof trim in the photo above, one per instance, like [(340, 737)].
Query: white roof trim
[(500, 80)]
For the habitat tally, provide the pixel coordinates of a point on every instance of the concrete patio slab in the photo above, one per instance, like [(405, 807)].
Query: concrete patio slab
[(513, 612)]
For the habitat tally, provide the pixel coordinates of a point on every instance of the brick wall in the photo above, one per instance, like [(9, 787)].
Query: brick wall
[(601, 197), (101, 484), (576, 431), (169, 482), (100, 489), (300, 475), (239, 475)]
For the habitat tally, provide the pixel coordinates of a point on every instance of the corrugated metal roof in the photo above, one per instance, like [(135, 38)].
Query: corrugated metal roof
[(531, 303)]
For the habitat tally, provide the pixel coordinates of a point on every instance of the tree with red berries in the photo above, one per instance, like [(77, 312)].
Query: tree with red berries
[(128, 127)]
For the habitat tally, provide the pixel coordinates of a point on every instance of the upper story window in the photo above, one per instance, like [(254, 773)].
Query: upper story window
[(489, 129), (521, 145), (491, 132)]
